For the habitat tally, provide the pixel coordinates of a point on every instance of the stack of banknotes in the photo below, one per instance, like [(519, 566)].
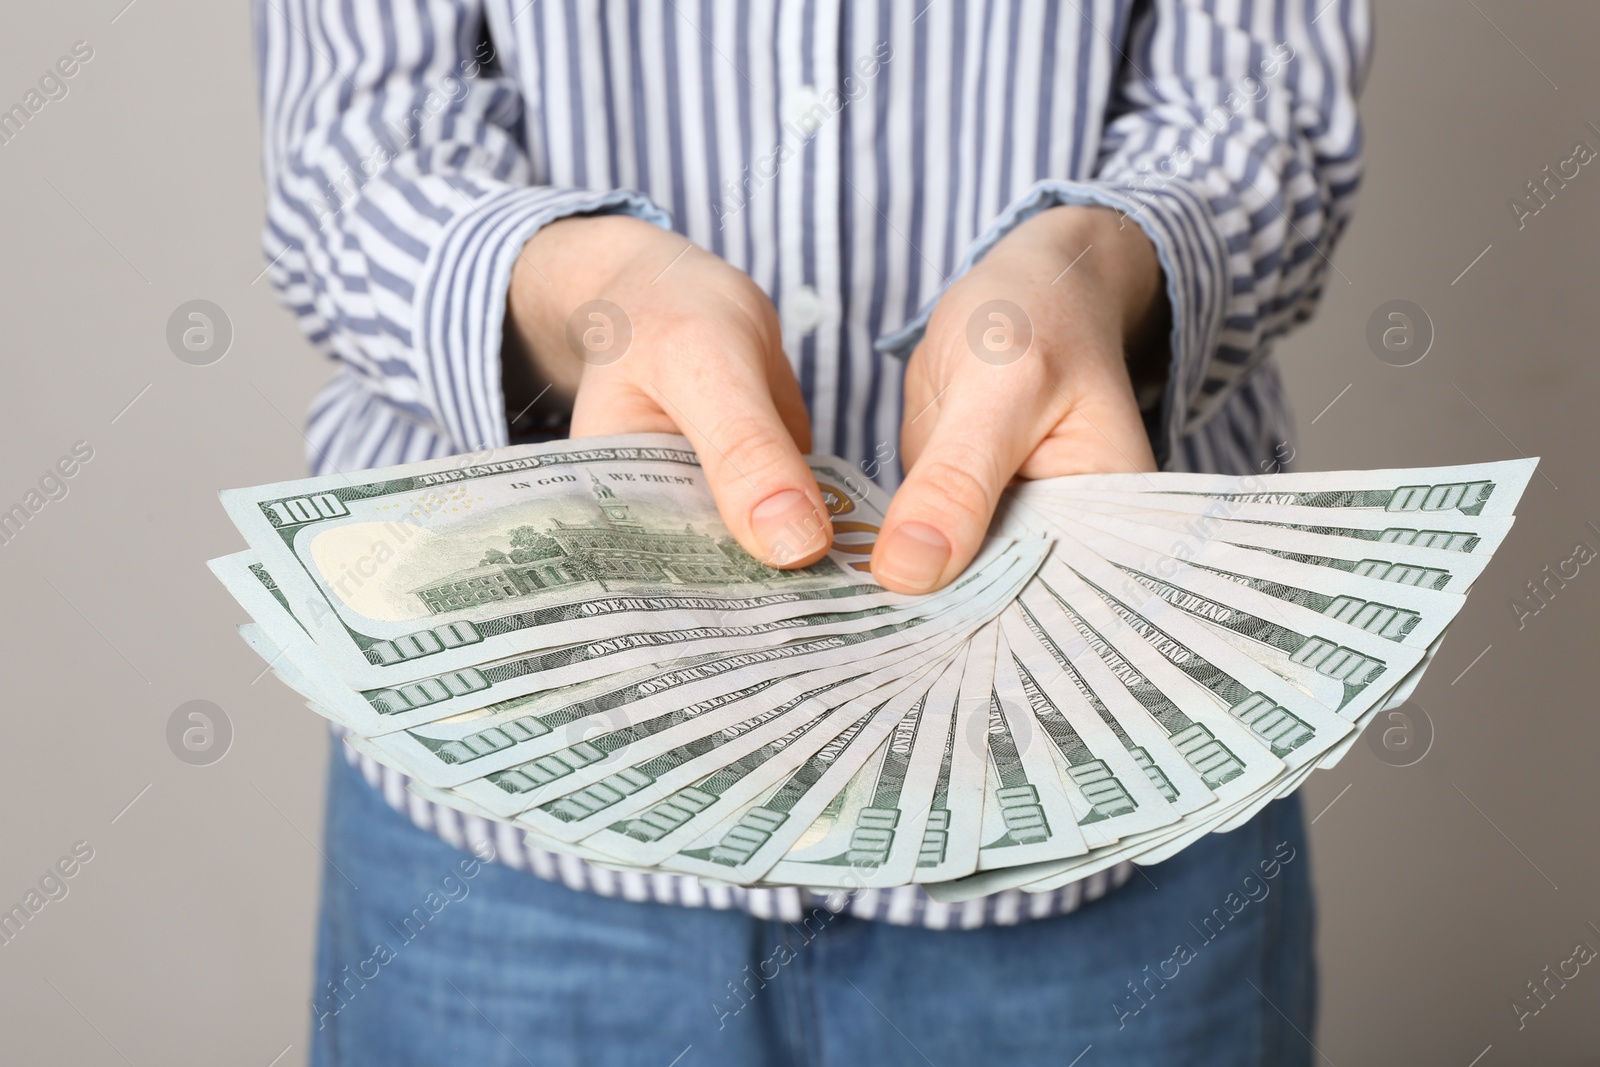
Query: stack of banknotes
[(564, 636)]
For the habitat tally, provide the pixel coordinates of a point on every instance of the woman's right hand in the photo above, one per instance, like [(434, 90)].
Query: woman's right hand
[(645, 332)]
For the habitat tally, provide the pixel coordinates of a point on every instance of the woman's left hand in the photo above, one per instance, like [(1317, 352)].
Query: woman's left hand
[(1023, 372)]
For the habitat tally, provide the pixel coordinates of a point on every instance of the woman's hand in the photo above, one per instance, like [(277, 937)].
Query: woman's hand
[(1023, 371), (644, 332)]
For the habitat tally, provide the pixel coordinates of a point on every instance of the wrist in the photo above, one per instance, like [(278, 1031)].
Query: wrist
[(567, 263), (1115, 258), (1114, 264)]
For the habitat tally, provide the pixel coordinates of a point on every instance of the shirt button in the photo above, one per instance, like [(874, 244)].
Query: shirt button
[(803, 103), (805, 309)]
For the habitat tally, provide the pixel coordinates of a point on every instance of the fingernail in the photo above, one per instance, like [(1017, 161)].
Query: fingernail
[(788, 526), (914, 557)]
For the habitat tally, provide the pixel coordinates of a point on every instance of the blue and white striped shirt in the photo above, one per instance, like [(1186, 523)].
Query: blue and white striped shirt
[(853, 157)]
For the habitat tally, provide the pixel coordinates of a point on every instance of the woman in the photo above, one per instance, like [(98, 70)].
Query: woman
[(962, 240)]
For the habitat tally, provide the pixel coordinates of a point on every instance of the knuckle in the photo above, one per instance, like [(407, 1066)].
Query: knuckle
[(751, 299), (957, 485), (751, 448), (1035, 375), (679, 330)]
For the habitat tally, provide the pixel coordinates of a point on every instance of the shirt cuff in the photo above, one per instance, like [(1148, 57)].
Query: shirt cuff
[(462, 300), (1178, 220)]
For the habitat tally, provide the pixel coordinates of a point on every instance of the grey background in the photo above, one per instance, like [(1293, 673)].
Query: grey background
[(1445, 886)]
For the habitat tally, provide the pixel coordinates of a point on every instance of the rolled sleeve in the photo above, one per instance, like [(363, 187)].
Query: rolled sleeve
[(399, 195), (1240, 162), (460, 311), (1179, 224)]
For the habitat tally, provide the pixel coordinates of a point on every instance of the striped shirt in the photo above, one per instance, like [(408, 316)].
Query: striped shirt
[(853, 157)]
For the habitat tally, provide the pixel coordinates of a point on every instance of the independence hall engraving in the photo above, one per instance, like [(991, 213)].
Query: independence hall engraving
[(617, 548)]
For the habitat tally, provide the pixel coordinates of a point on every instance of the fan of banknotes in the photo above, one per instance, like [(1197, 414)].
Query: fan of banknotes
[(566, 637)]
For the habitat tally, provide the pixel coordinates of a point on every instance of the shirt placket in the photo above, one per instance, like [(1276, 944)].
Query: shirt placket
[(809, 296)]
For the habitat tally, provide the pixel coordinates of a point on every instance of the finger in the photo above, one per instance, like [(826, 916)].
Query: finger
[(784, 389), (604, 407), (612, 402), (939, 517), (764, 489), (1094, 438), (921, 407)]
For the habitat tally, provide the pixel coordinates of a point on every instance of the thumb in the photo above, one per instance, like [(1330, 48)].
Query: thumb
[(940, 515)]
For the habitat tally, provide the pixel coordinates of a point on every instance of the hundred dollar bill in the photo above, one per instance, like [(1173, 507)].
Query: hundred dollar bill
[(658, 832), (1299, 729), (1163, 845), (276, 662), (1186, 760), (1110, 794), (567, 639), (954, 833), (746, 845), (1108, 652), (248, 579), (651, 765), (516, 743), (1209, 823), (1401, 613), (448, 799), (1449, 531), (1154, 809), (656, 766), (1490, 489), (1027, 816), (831, 820), (542, 757), (394, 708), (1398, 696), (479, 732), (606, 752), (1231, 759), (402, 573), (1185, 660), (1361, 716), (1339, 650), (1044, 655), (475, 743), (1414, 564), (1145, 849), (545, 791), (871, 834)]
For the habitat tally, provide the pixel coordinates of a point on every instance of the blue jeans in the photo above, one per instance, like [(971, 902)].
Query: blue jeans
[(438, 959)]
